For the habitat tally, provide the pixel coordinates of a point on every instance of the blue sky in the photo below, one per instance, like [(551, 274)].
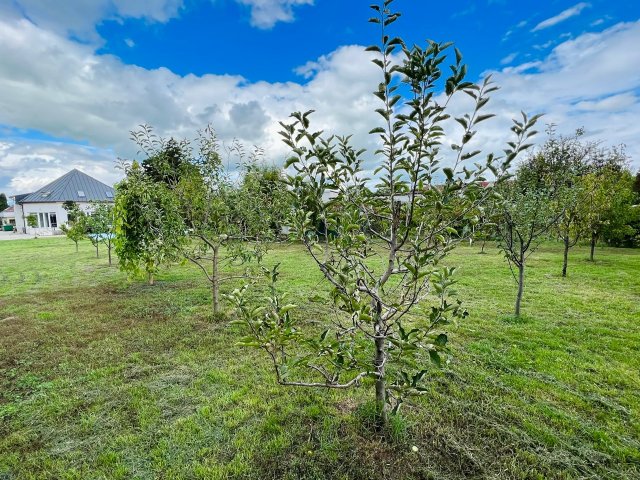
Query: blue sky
[(217, 37), (76, 77)]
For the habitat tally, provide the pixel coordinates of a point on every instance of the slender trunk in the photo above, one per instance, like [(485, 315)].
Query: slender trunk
[(594, 239), (566, 255), (484, 242), (97, 251), (151, 279), (326, 242), (109, 249), (214, 283), (520, 286), (76, 247), (379, 361)]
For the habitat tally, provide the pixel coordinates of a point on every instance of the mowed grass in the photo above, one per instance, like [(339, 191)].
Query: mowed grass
[(105, 378)]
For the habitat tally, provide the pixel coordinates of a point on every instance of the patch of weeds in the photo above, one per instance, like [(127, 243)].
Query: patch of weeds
[(370, 424)]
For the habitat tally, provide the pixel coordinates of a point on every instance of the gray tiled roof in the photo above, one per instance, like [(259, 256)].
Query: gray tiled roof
[(70, 187)]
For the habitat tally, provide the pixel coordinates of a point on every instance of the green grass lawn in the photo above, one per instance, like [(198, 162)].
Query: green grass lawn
[(105, 378)]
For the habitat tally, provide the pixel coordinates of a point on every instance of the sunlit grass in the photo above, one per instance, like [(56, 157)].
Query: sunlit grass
[(101, 377)]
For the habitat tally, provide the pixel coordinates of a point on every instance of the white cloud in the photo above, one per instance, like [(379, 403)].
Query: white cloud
[(562, 16), (509, 58), (613, 103), (266, 13), (66, 90), (591, 81), (78, 18), (130, 43), (45, 161)]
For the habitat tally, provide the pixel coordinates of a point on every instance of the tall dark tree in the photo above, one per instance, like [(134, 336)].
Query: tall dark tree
[(166, 160), (3, 202)]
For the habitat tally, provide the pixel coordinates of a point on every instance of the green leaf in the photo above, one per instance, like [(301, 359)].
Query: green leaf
[(435, 358), (441, 340)]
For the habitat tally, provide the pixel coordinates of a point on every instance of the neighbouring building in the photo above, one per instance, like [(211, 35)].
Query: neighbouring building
[(7, 217), (47, 203)]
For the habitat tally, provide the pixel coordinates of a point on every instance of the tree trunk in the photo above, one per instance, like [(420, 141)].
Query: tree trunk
[(566, 256), (215, 281), (594, 239), (379, 361), (97, 251), (109, 249), (484, 242), (520, 287), (76, 247), (151, 279), (326, 242)]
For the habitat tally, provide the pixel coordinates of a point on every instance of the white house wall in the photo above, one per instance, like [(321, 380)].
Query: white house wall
[(36, 208), (20, 221)]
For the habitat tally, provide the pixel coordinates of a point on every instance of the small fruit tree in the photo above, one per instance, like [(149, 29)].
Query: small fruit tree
[(215, 220), (380, 242)]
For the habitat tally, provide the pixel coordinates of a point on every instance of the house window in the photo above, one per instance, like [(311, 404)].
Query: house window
[(81, 193), (53, 219), (109, 194)]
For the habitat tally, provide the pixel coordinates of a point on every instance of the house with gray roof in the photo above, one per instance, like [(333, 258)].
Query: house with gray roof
[(47, 203)]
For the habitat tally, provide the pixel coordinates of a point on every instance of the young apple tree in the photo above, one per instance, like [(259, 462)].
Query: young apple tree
[(224, 222), (530, 206), (566, 161), (75, 229), (380, 242), (100, 226)]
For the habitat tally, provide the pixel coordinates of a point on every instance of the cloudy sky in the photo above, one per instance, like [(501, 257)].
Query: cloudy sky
[(76, 76)]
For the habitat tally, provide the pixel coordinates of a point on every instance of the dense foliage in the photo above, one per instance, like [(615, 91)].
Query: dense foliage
[(146, 222)]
